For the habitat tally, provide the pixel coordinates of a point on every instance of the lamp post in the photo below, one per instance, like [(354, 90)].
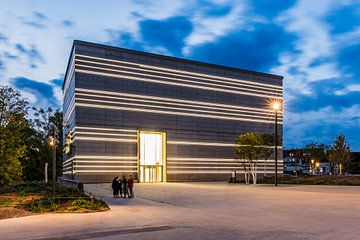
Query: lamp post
[(276, 107), (53, 145)]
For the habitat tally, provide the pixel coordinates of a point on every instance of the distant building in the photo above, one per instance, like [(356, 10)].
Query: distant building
[(160, 118)]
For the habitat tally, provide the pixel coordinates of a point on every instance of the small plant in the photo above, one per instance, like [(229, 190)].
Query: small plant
[(45, 205), (79, 204), (5, 202)]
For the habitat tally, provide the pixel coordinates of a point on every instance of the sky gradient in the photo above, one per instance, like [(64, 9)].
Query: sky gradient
[(315, 45)]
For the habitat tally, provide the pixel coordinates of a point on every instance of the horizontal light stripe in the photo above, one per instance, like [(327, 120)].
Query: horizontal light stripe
[(103, 156), (102, 171), (106, 129), (215, 163), (68, 163), (175, 100), (181, 71), (68, 167), (174, 83), (217, 172), (201, 143), (208, 167), (104, 139), (104, 161), (68, 160), (106, 134), (176, 108), (104, 166), (213, 144), (242, 90), (210, 78), (218, 160), (67, 172), (170, 113)]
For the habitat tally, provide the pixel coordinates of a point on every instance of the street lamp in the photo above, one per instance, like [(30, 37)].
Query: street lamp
[(52, 143), (317, 167), (276, 106), (312, 166)]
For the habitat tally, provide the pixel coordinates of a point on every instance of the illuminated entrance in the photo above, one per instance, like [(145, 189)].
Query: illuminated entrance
[(152, 157)]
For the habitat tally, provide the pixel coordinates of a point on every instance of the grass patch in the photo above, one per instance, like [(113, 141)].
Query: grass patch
[(36, 197), (314, 180)]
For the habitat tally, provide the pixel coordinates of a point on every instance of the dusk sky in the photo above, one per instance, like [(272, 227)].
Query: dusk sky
[(315, 45)]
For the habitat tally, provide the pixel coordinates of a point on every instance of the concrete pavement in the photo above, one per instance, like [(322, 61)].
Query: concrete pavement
[(205, 211)]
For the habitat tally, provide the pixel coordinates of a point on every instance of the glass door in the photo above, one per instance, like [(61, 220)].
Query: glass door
[(152, 159)]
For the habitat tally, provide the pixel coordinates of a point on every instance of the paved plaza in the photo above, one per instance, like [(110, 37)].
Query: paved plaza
[(205, 211)]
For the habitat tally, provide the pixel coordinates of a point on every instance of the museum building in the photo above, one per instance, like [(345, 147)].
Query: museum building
[(160, 118)]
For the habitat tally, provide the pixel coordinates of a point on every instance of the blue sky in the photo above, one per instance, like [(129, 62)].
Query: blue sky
[(315, 45)]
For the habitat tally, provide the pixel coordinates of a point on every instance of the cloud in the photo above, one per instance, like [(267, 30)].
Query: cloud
[(315, 46), (348, 89), (36, 20), (322, 126), (41, 94), (169, 33), (334, 94), (271, 9), (207, 28), (256, 49), (67, 23), (31, 53)]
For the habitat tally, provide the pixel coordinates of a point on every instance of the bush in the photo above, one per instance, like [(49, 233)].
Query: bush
[(87, 204), (45, 205)]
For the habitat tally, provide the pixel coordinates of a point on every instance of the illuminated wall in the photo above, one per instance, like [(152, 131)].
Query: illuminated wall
[(110, 94)]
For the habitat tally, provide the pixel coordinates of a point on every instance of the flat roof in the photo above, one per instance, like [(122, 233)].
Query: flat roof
[(166, 57)]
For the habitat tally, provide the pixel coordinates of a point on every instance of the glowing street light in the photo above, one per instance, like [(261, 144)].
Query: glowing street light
[(52, 143), (276, 107)]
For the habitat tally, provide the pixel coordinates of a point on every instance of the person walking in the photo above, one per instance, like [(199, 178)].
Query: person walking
[(131, 186), (125, 186), (114, 186)]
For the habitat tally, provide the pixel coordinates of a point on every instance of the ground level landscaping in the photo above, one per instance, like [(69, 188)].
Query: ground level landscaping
[(314, 180), (36, 197)]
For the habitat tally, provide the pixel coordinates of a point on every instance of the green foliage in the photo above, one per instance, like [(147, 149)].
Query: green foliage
[(267, 141), (37, 139), (5, 202), (13, 111), (312, 151), (249, 146), (41, 188), (315, 180), (87, 204), (339, 152), (66, 199), (45, 205)]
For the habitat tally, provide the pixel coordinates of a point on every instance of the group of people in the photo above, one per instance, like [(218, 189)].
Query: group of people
[(123, 187)]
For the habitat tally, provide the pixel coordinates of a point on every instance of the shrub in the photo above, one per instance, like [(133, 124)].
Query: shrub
[(45, 205)]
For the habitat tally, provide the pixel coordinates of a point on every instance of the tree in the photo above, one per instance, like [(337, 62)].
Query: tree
[(43, 125), (248, 151), (13, 112), (267, 151), (339, 153)]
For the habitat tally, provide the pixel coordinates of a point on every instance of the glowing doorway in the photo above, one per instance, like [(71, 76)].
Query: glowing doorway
[(152, 159)]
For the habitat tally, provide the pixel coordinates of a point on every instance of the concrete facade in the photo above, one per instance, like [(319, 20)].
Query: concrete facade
[(111, 94)]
